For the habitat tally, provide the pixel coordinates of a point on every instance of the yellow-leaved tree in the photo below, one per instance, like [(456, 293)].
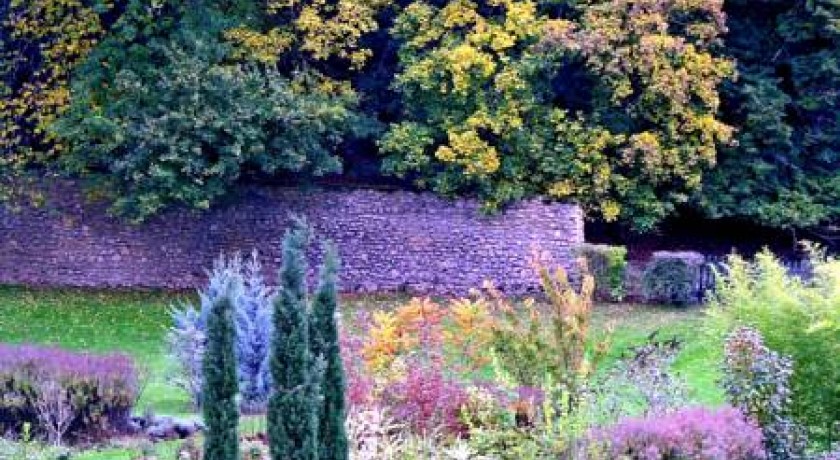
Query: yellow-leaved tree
[(612, 104), (41, 42)]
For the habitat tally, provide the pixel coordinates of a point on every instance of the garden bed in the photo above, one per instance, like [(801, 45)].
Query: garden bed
[(136, 323)]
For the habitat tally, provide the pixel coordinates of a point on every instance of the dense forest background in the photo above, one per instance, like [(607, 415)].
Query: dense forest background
[(642, 111)]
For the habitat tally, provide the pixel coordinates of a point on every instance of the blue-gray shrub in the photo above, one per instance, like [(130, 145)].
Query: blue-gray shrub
[(252, 304), (253, 337)]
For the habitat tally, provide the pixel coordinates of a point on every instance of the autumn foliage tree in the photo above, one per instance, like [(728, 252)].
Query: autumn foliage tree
[(613, 104), (468, 82), (41, 42), (654, 86), (630, 108), (311, 31)]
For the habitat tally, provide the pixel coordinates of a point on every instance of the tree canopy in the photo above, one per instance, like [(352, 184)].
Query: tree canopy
[(634, 109), (783, 171)]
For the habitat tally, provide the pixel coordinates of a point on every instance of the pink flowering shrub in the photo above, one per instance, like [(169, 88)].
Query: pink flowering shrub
[(691, 434), (426, 400)]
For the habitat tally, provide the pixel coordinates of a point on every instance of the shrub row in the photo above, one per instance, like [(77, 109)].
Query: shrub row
[(65, 393)]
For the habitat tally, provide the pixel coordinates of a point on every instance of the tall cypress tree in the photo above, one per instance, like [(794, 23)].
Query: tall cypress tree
[(221, 414), (293, 407), (332, 436)]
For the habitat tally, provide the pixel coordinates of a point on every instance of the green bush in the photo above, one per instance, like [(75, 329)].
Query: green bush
[(672, 278), (756, 381), (608, 264), (530, 341), (799, 319), (165, 119)]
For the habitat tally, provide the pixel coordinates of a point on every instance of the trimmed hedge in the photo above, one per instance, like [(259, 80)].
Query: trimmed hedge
[(673, 277), (100, 389), (608, 265)]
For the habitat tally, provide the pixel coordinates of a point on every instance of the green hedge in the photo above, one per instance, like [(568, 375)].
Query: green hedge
[(608, 264)]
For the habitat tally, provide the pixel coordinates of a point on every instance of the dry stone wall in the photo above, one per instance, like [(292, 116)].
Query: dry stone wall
[(388, 241)]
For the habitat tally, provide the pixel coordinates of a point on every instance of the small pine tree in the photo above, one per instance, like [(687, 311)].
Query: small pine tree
[(221, 414), (293, 406), (332, 436)]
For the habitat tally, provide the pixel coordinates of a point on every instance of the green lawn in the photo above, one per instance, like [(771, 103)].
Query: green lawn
[(98, 321), (136, 322), (698, 362)]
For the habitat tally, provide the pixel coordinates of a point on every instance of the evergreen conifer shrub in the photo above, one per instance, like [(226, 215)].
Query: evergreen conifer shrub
[(295, 401), (221, 411), (252, 298), (253, 337), (332, 435)]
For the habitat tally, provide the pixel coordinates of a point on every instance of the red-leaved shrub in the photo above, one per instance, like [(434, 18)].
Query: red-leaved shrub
[(360, 385), (426, 400)]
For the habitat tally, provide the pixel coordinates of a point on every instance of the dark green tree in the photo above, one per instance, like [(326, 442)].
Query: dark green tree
[(167, 111), (294, 406), (784, 171), (332, 435), (221, 412)]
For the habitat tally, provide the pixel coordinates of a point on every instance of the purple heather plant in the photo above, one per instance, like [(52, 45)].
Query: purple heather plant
[(101, 389), (691, 434)]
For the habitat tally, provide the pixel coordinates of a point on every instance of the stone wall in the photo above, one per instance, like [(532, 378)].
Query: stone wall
[(388, 241)]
